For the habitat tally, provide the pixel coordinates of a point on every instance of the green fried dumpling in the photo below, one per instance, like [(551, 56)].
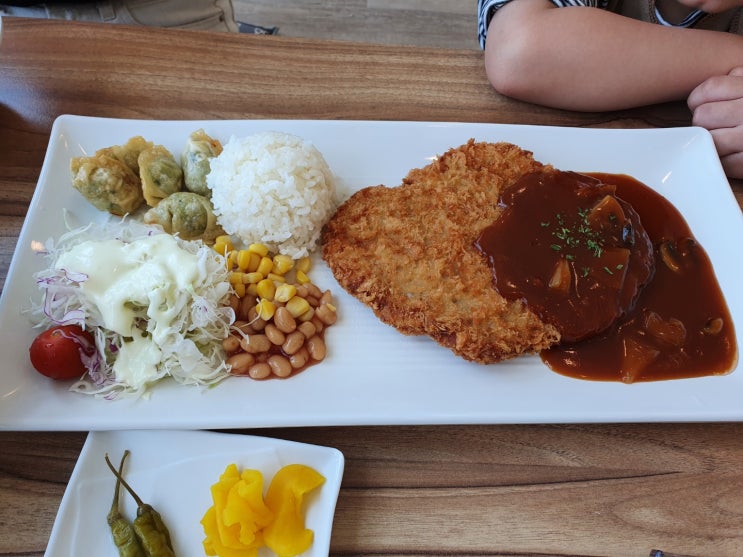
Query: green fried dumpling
[(187, 214), (200, 149), (160, 173), (107, 183), (127, 153)]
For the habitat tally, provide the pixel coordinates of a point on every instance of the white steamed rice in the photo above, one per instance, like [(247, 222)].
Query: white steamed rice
[(272, 188)]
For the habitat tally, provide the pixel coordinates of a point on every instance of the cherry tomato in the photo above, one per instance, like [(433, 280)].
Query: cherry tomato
[(58, 352)]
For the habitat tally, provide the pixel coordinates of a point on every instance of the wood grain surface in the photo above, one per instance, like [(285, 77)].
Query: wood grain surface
[(560, 490)]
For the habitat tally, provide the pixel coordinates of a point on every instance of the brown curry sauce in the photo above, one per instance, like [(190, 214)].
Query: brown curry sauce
[(670, 317)]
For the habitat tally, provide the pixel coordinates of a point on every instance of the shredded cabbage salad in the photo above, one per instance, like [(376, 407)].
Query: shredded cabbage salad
[(160, 311)]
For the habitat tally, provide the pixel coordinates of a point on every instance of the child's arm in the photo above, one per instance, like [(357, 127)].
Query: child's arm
[(583, 58), (717, 104)]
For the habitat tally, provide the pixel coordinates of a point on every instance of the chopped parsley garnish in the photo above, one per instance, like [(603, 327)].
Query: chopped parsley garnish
[(572, 237), (594, 246)]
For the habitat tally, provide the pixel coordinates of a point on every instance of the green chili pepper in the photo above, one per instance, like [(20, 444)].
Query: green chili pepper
[(148, 526), (121, 529)]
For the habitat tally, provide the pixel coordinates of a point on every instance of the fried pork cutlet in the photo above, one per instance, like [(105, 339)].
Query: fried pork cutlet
[(491, 253), (409, 253)]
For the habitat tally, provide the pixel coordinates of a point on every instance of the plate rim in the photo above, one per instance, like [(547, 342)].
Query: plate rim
[(688, 134)]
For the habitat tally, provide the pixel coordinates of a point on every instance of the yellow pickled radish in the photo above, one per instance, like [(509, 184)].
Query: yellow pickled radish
[(241, 520), (212, 544), (286, 535), (245, 507), (233, 524), (229, 535)]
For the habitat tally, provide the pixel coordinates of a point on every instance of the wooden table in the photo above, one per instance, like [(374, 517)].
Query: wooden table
[(568, 490)]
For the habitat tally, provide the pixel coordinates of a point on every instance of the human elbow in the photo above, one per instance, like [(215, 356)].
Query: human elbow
[(514, 67)]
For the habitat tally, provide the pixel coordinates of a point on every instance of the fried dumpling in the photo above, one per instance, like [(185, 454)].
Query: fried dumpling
[(160, 173), (187, 214), (200, 149), (107, 183), (127, 153)]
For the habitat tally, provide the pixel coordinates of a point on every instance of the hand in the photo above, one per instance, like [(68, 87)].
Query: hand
[(717, 105)]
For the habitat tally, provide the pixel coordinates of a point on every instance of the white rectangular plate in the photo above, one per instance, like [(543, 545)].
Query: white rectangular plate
[(173, 471), (374, 375)]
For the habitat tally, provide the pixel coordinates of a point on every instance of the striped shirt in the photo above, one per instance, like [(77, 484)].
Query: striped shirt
[(486, 9)]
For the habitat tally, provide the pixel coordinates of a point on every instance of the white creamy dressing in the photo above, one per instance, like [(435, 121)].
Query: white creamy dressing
[(127, 281)]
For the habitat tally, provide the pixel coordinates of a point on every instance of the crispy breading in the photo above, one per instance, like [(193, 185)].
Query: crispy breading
[(409, 253)]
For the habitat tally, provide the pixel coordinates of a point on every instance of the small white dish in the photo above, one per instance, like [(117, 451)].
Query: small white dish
[(173, 471)]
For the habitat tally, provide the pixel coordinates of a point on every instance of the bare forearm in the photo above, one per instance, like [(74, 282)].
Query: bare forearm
[(589, 59)]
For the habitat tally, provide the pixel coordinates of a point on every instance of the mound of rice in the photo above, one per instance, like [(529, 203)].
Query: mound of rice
[(272, 188)]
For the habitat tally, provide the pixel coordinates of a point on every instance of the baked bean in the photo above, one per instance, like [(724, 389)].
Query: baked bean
[(231, 344), (307, 315), (246, 303), (316, 348), (313, 290), (234, 303), (319, 325), (255, 344), (242, 326), (326, 314), (299, 358), (326, 298), (308, 329), (294, 342), (274, 334), (240, 363), (256, 322), (259, 371), (302, 291), (284, 320), (280, 365), (313, 300)]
